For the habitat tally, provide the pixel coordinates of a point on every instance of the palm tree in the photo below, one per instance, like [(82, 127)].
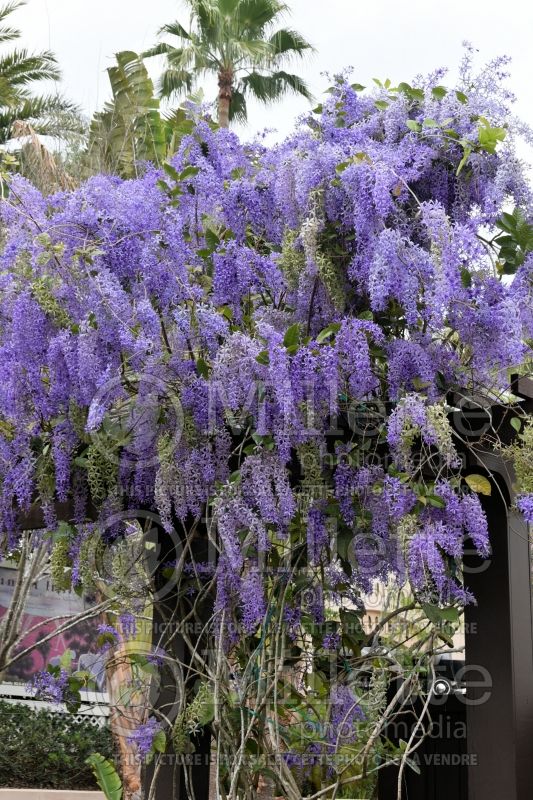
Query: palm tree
[(237, 41), (19, 71)]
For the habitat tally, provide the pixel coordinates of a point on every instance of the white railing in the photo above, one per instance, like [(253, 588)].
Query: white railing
[(94, 706)]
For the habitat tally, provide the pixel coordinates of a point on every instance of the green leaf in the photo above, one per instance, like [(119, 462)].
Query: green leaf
[(292, 335), (202, 367), (430, 123), (461, 97), (439, 92), (466, 278), (207, 714), (479, 484), (212, 239), (171, 171), (227, 312), (516, 422), (489, 137), (413, 125), (450, 614), (66, 659), (358, 87), (159, 743), (404, 87), (263, 358), (467, 150), (316, 682), (436, 501), (339, 169), (382, 105), (328, 332), (344, 540), (106, 776), (188, 172), (351, 624), (507, 222), (437, 616), (432, 613), (412, 93)]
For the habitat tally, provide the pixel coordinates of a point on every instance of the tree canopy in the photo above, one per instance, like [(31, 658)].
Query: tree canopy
[(265, 348), (238, 42)]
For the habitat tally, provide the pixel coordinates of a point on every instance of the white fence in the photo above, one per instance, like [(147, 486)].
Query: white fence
[(94, 707)]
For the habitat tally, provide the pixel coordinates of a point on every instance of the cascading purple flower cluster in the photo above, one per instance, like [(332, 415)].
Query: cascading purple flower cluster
[(274, 351), (525, 506), (143, 736), (49, 687)]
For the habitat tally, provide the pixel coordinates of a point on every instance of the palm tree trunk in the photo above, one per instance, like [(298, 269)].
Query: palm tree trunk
[(225, 90), (126, 716)]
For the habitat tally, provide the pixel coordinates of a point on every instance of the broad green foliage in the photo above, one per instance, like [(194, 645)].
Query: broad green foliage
[(131, 128), (106, 776)]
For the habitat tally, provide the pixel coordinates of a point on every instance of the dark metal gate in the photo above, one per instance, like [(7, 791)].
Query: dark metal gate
[(495, 762), (442, 758)]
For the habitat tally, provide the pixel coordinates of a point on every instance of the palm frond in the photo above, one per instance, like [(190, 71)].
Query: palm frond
[(19, 70), (8, 8), (208, 18), (174, 29), (255, 51), (130, 128), (255, 15), (227, 8), (159, 49), (36, 106), (21, 67), (173, 81), (38, 110), (286, 42), (8, 94), (63, 121), (8, 34), (238, 111), (268, 88)]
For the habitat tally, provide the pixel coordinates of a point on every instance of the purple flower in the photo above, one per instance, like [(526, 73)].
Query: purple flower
[(47, 686), (345, 714), (292, 616), (157, 656), (144, 736), (128, 625), (475, 523), (179, 358), (524, 504), (108, 637), (252, 598), (317, 534), (331, 641)]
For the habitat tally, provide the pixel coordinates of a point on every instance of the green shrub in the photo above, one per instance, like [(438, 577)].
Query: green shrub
[(46, 750)]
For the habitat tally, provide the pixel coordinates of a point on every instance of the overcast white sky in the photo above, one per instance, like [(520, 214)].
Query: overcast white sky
[(379, 38)]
